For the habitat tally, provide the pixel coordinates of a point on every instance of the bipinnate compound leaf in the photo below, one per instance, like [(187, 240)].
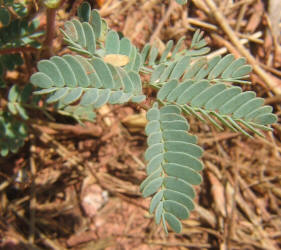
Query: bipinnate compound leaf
[(173, 166)]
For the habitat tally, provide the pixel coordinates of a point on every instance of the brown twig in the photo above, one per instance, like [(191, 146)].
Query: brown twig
[(163, 21), (221, 20), (32, 197)]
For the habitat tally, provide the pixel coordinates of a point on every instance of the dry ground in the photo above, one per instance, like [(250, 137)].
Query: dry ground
[(80, 184)]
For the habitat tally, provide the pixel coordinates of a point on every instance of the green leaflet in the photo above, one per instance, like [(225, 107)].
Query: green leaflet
[(179, 197), (90, 97), (153, 114), (166, 89), (234, 103), (154, 138), (183, 159), (179, 68), (204, 71), (202, 98), (112, 43), (150, 178), (5, 16), (59, 94), (125, 46), (178, 135), (41, 80), (221, 66), (159, 212), (179, 185), (192, 91), (242, 71), (176, 208), (184, 147), (247, 107), (72, 96), (84, 12), (154, 163), (155, 77), (177, 47), (233, 67), (219, 99), (79, 72), (155, 201), (153, 55), (166, 52), (81, 38), (183, 172), (172, 220), (152, 187), (177, 125), (132, 58), (153, 150), (65, 70), (96, 23), (177, 91), (90, 38), (103, 98), (51, 70)]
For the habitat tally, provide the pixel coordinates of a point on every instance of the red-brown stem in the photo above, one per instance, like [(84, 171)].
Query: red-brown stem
[(17, 50), (51, 31)]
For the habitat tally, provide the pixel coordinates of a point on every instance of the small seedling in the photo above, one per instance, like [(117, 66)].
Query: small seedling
[(107, 69)]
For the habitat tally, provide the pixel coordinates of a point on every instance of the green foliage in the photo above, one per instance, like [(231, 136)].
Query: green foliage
[(90, 80), (17, 98), (181, 1), (105, 68), (173, 166), (12, 133), (5, 16), (16, 31), (20, 32)]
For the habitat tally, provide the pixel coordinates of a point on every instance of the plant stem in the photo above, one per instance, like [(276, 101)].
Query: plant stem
[(50, 33)]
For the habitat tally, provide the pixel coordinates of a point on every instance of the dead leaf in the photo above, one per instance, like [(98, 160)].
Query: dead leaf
[(217, 190), (135, 123), (116, 59)]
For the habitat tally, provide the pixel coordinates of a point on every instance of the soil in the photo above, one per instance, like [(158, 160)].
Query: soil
[(77, 187)]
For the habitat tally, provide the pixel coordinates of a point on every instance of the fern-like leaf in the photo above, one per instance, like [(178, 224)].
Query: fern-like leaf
[(70, 78), (93, 39), (229, 105), (172, 55), (173, 166)]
